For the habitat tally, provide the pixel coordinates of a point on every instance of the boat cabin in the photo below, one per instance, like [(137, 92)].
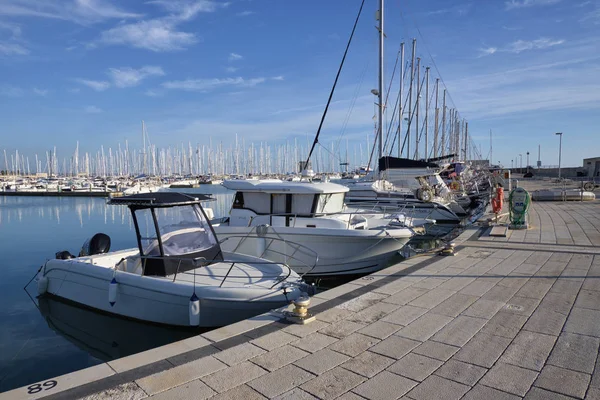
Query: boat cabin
[(279, 203), (173, 232)]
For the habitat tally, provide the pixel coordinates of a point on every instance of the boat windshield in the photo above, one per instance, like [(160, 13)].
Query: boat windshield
[(330, 203), (183, 230)]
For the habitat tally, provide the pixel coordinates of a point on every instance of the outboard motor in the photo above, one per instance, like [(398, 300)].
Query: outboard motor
[(97, 244), (64, 255)]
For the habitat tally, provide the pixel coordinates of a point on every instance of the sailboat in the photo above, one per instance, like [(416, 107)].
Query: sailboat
[(410, 185), (313, 215)]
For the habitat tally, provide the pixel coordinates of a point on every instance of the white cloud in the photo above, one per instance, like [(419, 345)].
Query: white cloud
[(186, 10), (98, 86), (152, 93), (11, 91), (245, 13), (40, 92), (515, 4), (460, 10), (235, 57), (593, 16), (13, 45), (157, 35), (14, 29), (208, 84), (547, 85), (161, 34), (487, 51), (92, 110), (522, 45), (278, 78), (519, 46), (12, 49), (77, 11), (231, 69), (127, 76)]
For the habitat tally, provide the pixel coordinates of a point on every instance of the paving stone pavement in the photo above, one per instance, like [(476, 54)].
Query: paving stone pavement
[(493, 323)]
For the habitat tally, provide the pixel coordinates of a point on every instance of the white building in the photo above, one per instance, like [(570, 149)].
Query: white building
[(592, 166)]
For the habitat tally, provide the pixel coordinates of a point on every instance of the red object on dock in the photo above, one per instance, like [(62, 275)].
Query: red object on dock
[(498, 201)]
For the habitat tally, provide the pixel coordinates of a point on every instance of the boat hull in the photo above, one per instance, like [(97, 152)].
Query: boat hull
[(159, 300), (344, 252), (413, 208)]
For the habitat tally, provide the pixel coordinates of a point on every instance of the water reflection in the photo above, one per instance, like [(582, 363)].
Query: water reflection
[(103, 336), (19, 209), (35, 346)]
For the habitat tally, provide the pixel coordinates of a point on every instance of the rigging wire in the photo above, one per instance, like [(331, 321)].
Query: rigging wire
[(335, 83), (430, 57), (350, 110)]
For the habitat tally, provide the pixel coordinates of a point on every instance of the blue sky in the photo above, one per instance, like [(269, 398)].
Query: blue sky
[(91, 70)]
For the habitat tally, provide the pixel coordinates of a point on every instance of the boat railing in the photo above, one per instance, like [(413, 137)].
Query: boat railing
[(386, 210), (391, 211), (266, 246), (202, 262)]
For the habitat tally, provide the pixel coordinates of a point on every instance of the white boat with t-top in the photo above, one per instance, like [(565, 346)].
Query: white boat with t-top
[(312, 215), (178, 275)]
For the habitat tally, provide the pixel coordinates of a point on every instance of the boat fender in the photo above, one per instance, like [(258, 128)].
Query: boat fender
[(194, 310), (426, 196), (42, 285), (112, 291)]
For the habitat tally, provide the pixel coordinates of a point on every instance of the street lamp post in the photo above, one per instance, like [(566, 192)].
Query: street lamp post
[(511, 164), (559, 151), (527, 166), (520, 163)]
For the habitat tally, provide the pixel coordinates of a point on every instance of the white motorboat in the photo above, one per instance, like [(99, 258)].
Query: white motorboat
[(312, 215), (178, 275), (413, 186)]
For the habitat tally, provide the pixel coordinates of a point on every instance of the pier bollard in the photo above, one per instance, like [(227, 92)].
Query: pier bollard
[(448, 250), (300, 314)]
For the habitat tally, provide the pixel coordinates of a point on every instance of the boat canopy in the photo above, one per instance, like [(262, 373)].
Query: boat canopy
[(159, 199), (279, 186), (172, 230), (299, 199), (388, 162)]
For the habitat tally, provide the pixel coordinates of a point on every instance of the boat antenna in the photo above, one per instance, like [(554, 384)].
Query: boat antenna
[(305, 167)]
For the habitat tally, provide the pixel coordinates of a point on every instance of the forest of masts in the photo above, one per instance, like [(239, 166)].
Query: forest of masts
[(421, 126)]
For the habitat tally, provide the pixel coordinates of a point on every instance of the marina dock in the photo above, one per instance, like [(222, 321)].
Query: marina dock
[(505, 318)]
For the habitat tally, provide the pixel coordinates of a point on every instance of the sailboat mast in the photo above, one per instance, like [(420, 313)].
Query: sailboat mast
[(410, 96), (400, 113), (426, 113), (437, 119), (444, 124), (491, 154), (417, 106), (380, 92)]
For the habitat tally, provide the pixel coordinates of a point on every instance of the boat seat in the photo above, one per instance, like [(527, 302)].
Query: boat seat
[(131, 264)]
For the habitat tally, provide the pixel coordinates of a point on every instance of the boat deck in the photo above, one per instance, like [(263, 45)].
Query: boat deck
[(506, 318)]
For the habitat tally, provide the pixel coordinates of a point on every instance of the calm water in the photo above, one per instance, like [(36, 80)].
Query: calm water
[(56, 338), (40, 341)]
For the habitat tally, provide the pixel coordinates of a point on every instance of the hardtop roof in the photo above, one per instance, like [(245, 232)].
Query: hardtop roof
[(279, 186), (159, 199)]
